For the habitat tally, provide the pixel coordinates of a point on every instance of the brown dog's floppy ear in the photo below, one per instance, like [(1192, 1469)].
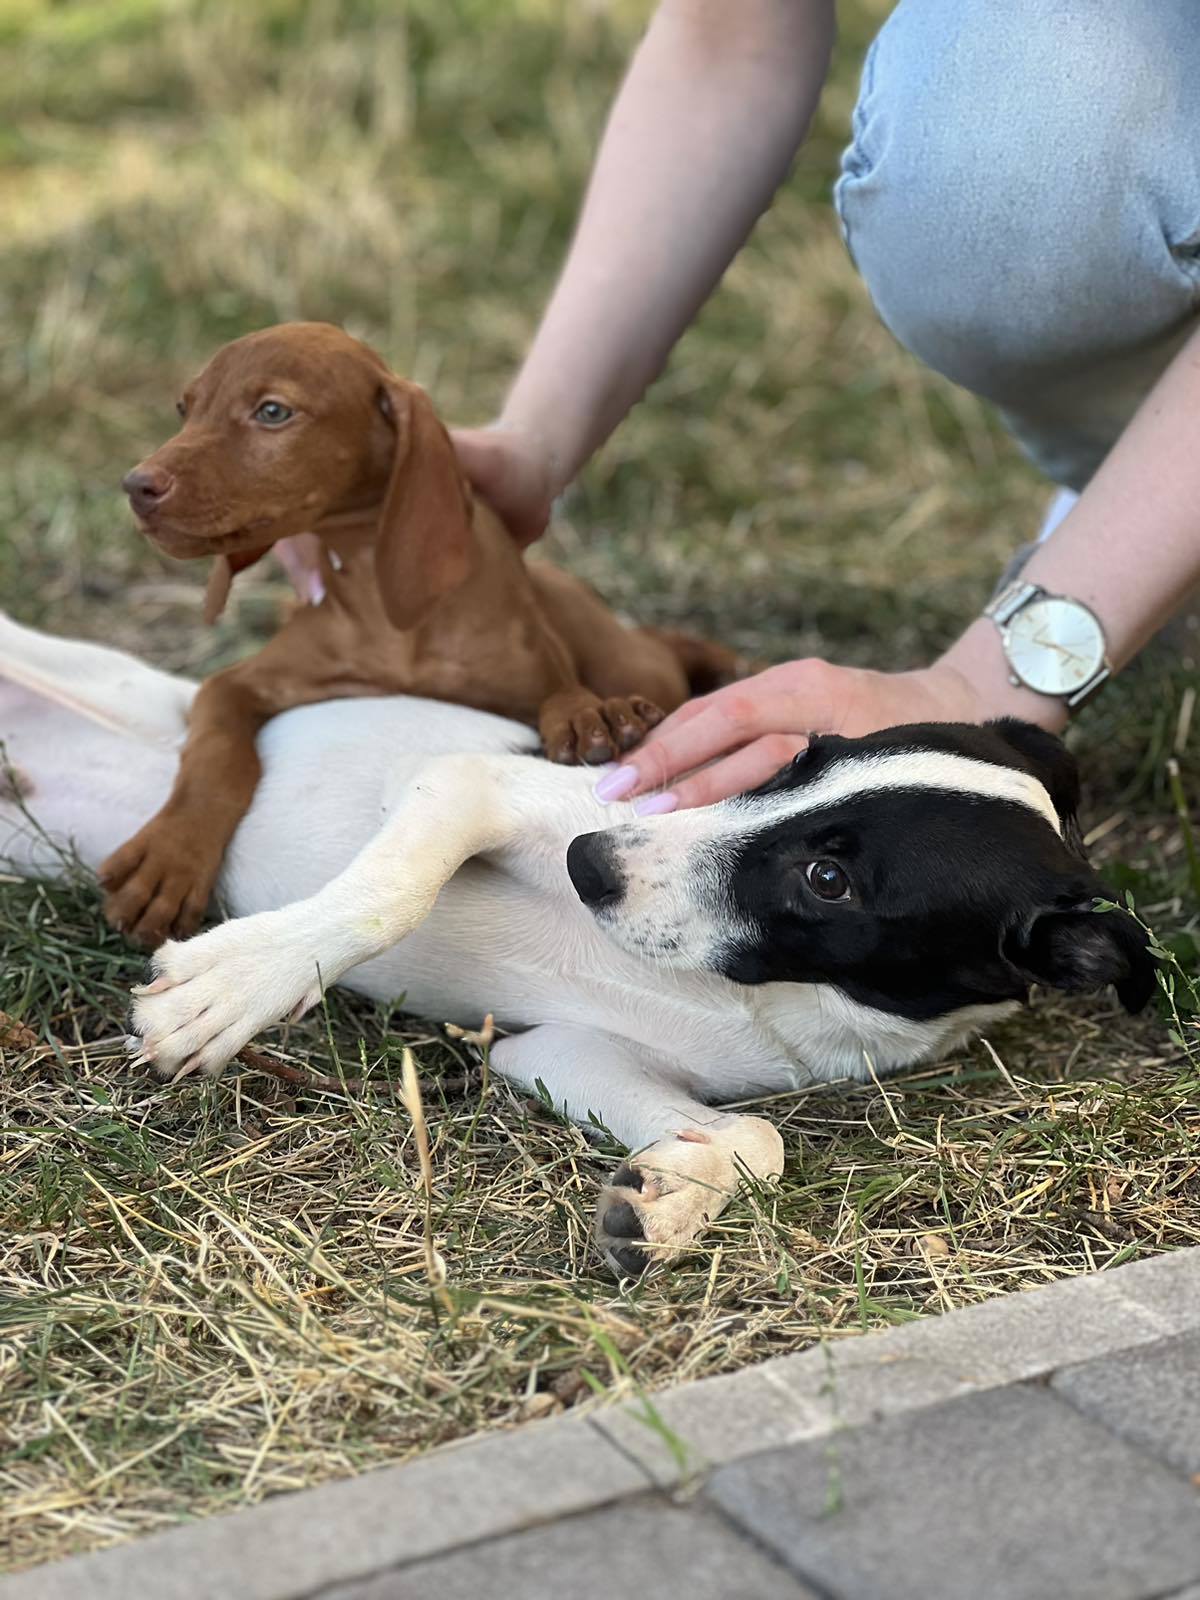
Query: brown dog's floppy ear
[(424, 547), (220, 579)]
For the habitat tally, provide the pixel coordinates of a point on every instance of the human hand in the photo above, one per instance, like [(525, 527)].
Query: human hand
[(512, 474), (506, 467), (749, 730)]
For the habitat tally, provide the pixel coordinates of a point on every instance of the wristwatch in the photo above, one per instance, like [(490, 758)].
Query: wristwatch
[(1054, 645)]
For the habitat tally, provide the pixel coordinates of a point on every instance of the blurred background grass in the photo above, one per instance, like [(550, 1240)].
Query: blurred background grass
[(213, 1292), (180, 171)]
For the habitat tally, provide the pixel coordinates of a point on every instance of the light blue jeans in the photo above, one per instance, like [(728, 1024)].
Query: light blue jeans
[(1022, 197)]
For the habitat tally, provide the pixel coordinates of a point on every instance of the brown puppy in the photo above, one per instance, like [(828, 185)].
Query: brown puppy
[(302, 428)]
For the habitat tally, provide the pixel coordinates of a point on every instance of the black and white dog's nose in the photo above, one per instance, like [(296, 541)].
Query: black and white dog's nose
[(593, 869)]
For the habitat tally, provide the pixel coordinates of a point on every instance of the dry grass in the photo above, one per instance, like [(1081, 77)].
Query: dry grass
[(211, 1293)]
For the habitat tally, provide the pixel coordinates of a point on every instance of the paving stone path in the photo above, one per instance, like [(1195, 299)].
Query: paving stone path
[(1045, 1446)]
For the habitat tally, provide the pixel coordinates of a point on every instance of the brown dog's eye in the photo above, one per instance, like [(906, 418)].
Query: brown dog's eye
[(181, 408), (827, 880), (273, 412)]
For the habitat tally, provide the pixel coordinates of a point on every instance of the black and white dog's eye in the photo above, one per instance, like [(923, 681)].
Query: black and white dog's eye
[(827, 880)]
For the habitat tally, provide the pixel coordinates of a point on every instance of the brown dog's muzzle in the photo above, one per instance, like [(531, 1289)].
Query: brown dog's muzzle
[(147, 488)]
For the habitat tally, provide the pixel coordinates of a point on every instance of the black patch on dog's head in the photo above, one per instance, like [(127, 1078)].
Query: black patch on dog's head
[(955, 898)]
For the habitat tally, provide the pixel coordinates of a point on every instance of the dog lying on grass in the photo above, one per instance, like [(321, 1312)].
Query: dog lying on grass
[(300, 428), (875, 904)]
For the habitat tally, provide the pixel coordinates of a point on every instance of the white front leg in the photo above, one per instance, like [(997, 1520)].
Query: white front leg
[(213, 993), (688, 1159)]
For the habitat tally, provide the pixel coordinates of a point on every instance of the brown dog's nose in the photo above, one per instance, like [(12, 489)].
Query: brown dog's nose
[(146, 487)]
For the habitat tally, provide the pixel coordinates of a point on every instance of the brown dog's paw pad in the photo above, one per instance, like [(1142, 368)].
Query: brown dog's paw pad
[(628, 729), (631, 720), (649, 714), (561, 749), (596, 744), (593, 741)]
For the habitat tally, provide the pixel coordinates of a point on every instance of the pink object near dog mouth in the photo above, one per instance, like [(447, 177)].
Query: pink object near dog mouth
[(306, 579)]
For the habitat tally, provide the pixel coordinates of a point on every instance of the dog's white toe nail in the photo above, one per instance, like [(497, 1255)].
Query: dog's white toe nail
[(156, 987)]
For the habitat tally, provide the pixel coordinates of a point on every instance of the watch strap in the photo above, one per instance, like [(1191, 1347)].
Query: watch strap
[(1085, 692), (1008, 601)]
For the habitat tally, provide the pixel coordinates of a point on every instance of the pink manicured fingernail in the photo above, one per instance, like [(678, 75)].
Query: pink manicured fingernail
[(655, 805), (615, 785)]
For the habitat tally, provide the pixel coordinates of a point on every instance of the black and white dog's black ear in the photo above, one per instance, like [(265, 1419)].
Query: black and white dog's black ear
[(1051, 762), (1078, 949)]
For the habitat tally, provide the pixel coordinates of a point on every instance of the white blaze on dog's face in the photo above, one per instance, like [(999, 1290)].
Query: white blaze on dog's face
[(919, 871)]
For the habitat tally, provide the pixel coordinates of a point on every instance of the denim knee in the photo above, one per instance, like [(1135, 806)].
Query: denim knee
[(1022, 194)]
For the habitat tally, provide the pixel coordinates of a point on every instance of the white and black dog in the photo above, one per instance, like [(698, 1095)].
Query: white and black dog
[(872, 906)]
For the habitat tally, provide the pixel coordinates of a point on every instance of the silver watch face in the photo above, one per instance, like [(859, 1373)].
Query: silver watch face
[(1055, 645)]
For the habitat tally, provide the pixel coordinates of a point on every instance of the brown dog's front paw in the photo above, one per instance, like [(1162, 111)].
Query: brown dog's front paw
[(600, 730), (158, 886), (630, 720)]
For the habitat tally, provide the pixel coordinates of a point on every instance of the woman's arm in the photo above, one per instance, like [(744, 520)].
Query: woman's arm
[(715, 104), (1130, 550)]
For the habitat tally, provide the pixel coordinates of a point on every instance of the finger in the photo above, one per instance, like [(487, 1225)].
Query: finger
[(508, 481), (678, 719), (729, 721), (746, 769)]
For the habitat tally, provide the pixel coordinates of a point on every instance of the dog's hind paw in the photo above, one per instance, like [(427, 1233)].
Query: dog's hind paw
[(662, 1198)]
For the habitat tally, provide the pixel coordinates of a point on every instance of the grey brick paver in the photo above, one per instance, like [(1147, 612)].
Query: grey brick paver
[(1004, 1340), (857, 1380), (1167, 1286), (1150, 1396), (643, 1548), (1010, 1495), (718, 1419), (298, 1544), (934, 1469)]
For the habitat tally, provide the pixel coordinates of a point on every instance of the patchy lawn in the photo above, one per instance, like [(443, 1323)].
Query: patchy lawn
[(215, 1292)]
